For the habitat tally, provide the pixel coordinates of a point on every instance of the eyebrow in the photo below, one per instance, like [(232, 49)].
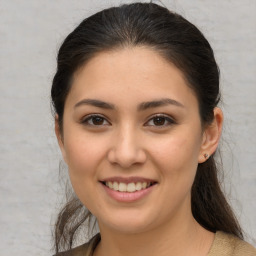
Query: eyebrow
[(95, 103), (142, 106), (159, 103)]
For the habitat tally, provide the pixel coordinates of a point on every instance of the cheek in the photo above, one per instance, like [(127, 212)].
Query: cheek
[(177, 155), (83, 155), (176, 150)]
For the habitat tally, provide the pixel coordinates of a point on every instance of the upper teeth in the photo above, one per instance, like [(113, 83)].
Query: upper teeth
[(130, 187)]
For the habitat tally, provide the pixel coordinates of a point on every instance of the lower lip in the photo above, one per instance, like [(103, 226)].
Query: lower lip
[(128, 196)]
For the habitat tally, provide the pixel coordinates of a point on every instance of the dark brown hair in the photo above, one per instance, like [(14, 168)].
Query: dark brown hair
[(180, 43)]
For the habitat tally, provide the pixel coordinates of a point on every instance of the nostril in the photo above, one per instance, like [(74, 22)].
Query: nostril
[(126, 158)]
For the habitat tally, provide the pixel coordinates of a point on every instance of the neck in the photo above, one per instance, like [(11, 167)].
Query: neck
[(175, 238)]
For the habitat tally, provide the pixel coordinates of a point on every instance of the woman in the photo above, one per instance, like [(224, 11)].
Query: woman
[(135, 95)]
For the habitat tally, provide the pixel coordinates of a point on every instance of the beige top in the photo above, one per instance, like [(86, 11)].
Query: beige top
[(223, 245)]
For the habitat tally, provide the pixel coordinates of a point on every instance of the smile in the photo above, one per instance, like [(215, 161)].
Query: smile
[(130, 187)]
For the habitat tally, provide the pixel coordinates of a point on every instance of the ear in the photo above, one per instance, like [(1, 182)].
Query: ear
[(211, 136), (59, 137)]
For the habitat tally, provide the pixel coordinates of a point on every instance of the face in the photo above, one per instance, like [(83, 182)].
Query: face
[(132, 140)]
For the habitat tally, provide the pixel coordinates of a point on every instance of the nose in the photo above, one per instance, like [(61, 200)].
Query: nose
[(126, 149)]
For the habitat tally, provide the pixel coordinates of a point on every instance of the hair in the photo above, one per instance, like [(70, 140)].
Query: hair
[(180, 43)]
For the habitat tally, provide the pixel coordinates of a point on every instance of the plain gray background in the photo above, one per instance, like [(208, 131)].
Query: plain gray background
[(30, 33)]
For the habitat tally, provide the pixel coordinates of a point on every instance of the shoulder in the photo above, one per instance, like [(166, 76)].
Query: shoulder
[(78, 251), (82, 250), (228, 245)]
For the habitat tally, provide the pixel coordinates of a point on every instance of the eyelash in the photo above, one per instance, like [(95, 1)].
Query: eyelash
[(89, 118), (166, 118)]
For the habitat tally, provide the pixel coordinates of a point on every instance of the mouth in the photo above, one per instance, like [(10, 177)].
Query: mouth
[(128, 187)]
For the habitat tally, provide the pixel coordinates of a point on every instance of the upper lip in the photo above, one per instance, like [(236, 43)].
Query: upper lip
[(127, 180)]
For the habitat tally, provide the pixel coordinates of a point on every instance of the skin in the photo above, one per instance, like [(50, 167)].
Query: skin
[(127, 142)]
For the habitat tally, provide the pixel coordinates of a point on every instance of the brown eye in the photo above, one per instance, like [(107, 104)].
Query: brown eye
[(159, 120), (95, 120)]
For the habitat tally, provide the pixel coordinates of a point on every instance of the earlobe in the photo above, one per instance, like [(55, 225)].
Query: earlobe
[(211, 136), (59, 137)]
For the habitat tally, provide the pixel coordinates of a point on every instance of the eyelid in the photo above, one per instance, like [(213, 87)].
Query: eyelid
[(86, 118), (170, 120)]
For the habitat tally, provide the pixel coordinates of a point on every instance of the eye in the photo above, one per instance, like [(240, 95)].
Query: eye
[(160, 121), (95, 120)]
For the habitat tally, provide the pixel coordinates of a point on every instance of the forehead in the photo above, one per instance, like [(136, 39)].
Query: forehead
[(132, 74)]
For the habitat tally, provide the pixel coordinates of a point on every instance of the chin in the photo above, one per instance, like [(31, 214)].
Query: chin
[(127, 223)]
